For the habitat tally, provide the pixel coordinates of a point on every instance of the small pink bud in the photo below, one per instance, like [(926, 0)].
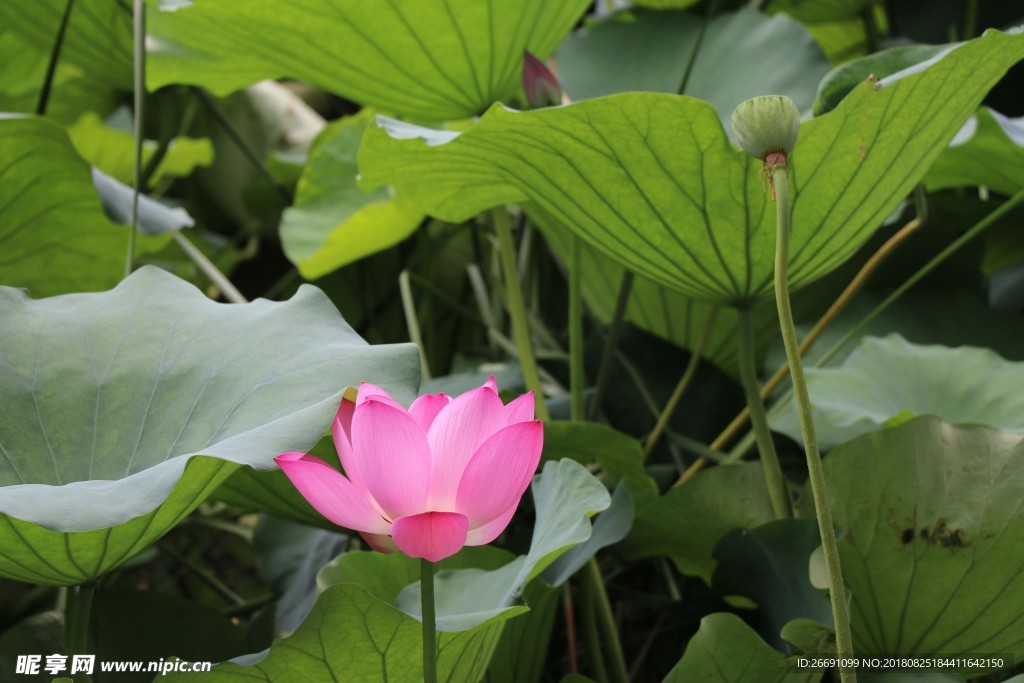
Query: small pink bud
[(539, 83)]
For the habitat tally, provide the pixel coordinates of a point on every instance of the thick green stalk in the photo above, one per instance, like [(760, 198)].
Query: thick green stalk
[(683, 385), (837, 589), (576, 377), (77, 611), (591, 639), (429, 621), (517, 309), (606, 622), (777, 490)]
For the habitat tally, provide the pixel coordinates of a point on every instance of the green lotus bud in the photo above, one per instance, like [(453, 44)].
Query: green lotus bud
[(766, 124)]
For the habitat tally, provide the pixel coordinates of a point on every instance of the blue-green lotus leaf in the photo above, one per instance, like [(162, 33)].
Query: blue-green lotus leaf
[(124, 409)]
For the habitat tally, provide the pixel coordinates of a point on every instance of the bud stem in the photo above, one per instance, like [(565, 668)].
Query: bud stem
[(777, 491), (837, 590)]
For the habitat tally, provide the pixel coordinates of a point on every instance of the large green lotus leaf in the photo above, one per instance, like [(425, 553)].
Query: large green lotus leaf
[(651, 179), (687, 522), (743, 54), (98, 38), (565, 495), (355, 633), (989, 151), (125, 409), (933, 538), (333, 221), (54, 236), (890, 378), (726, 650), (437, 59), (653, 308)]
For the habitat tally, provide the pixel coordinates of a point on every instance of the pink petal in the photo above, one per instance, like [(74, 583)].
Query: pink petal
[(426, 408), (520, 409), (331, 494), (491, 384), (393, 457), (499, 472), (456, 433), (379, 542), (432, 535), (488, 532), (367, 390), (341, 431)]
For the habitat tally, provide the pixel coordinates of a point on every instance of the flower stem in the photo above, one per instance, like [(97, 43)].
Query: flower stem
[(837, 590), (591, 639), (576, 377), (606, 621), (429, 621), (777, 490), (517, 309), (77, 611)]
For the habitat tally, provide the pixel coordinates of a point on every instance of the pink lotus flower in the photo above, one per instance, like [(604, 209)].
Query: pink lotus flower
[(427, 481)]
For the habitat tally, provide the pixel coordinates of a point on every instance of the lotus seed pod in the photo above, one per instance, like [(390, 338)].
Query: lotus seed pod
[(766, 124)]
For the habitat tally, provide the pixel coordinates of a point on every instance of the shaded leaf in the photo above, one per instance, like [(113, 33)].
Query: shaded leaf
[(706, 508), (437, 59), (781, 588), (333, 222), (149, 625), (289, 556), (810, 636), (741, 56), (652, 181), (726, 650), (890, 377), (110, 442), (619, 455)]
